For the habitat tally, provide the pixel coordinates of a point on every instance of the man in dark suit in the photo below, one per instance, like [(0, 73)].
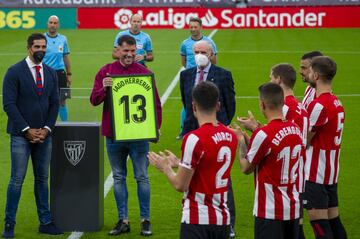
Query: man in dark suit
[(31, 101), (205, 71)]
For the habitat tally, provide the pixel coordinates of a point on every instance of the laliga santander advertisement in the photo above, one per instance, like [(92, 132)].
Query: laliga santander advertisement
[(223, 18)]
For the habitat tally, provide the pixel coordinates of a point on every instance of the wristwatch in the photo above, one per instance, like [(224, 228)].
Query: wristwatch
[(68, 73)]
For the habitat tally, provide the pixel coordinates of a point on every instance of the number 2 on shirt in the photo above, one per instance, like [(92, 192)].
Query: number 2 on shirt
[(224, 154)]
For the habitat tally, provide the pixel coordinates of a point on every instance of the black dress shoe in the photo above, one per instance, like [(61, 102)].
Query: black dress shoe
[(50, 229), (121, 227), (146, 228)]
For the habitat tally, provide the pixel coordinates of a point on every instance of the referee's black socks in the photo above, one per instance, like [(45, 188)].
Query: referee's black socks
[(337, 228)]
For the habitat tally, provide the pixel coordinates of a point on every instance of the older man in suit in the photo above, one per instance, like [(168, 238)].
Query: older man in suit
[(31, 101), (205, 71)]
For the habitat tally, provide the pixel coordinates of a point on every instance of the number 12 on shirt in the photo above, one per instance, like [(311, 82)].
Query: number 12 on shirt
[(133, 111)]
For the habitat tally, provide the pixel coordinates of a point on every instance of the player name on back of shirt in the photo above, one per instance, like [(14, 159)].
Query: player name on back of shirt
[(221, 136), (282, 133)]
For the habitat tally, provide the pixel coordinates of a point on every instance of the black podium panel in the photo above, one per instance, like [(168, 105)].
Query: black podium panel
[(77, 177)]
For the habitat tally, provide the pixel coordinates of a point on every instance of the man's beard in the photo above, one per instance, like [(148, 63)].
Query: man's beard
[(304, 79), (312, 84)]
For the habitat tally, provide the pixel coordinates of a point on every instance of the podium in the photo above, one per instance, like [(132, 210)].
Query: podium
[(77, 177)]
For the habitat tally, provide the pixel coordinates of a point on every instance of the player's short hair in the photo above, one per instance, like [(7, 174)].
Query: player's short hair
[(33, 37), (286, 72), (196, 19), (206, 96), (126, 38), (272, 94), (324, 66), (311, 54)]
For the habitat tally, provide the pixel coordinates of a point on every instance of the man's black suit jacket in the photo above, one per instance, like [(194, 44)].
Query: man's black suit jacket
[(224, 81)]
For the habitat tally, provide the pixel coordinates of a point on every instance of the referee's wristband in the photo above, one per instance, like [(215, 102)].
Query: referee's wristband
[(68, 73)]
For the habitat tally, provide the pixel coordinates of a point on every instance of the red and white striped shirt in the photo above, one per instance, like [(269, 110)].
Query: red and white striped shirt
[(209, 151), (275, 149), (294, 111), (327, 122), (309, 95)]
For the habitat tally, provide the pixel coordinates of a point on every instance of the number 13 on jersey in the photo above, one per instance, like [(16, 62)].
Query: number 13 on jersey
[(133, 108)]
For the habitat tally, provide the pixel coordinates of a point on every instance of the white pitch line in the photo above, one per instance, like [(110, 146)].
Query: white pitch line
[(79, 88), (171, 87), (75, 235), (287, 52), (173, 84), (224, 51), (256, 97), (348, 95), (164, 97), (109, 180)]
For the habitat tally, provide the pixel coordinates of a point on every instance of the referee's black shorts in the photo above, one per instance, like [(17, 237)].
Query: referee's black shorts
[(194, 231), (64, 90)]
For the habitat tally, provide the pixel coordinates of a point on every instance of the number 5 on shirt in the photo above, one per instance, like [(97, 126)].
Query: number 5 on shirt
[(133, 108), (339, 130)]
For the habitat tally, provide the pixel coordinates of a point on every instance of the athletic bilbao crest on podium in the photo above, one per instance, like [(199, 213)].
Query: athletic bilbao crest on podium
[(74, 151)]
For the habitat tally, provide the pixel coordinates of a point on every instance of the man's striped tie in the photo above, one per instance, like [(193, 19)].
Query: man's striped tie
[(39, 84)]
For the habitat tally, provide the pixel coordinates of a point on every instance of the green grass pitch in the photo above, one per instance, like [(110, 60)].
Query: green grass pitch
[(249, 54)]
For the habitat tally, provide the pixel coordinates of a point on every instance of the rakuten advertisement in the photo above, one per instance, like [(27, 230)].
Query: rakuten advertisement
[(178, 18)]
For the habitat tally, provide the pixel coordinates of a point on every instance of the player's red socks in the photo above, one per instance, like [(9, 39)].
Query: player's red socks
[(337, 228), (322, 229)]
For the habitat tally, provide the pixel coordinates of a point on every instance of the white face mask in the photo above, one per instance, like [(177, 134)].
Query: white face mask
[(201, 60)]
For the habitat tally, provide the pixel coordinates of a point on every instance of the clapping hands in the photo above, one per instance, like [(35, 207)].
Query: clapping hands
[(249, 122), (163, 161)]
